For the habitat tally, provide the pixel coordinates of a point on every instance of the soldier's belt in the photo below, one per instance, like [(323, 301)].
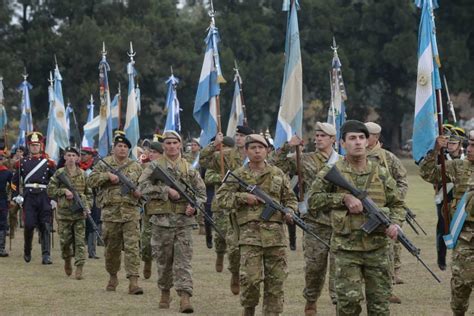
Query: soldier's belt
[(36, 186)]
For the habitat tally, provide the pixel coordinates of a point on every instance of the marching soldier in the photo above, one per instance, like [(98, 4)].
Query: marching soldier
[(262, 243), (71, 223), (120, 214), (5, 182), (315, 254), (461, 173), (360, 258), (172, 221), (32, 175)]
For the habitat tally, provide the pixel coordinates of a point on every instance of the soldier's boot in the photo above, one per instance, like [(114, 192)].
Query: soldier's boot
[(79, 273), (394, 299), (133, 287), (208, 236), (28, 234), (310, 309), (113, 282), (165, 299), (234, 284), (3, 236), (249, 311), (267, 313), (220, 262), (185, 306), (68, 266), (202, 230), (396, 277), (46, 244), (292, 236), (147, 270)]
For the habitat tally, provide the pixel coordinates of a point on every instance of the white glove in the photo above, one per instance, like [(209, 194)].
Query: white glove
[(54, 204), (18, 200)]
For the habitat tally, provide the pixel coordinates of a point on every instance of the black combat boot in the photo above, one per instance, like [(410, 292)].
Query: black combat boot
[(208, 235), (46, 243), (28, 234), (3, 235), (292, 236)]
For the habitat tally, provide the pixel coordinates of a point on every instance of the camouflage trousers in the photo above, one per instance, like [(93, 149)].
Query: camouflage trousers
[(353, 270), (72, 240), (172, 248), (316, 263), (395, 256), (462, 268), (146, 239), (233, 250), (274, 263), (222, 222), (118, 236)]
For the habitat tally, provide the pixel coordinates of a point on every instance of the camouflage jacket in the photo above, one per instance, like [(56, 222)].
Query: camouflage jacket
[(459, 172), (56, 190), (190, 157), (347, 232), (157, 191), (393, 165), (210, 158), (116, 207)]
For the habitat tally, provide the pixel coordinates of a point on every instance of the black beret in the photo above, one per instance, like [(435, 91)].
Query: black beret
[(354, 126), (71, 149), (156, 146), (120, 138), (244, 130)]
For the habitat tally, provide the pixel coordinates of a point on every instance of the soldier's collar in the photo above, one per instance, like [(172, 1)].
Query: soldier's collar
[(368, 168)]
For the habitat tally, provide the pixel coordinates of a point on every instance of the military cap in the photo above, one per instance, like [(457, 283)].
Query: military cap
[(326, 128), (71, 149), (34, 137), (170, 134), (244, 130), (255, 138), (157, 147), (196, 141), (88, 151), (120, 138), (228, 141), (373, 128), (354, 126)]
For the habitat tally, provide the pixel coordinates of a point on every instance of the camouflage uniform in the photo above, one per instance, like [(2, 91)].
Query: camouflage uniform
[(262, 243), (71, 226), (145, 238), (461, 174), (120, 216), (359, 257), (233, 159), (399, 174), (315, 253), (171, 235)]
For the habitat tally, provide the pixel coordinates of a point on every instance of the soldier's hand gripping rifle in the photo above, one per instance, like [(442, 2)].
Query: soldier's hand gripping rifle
[(79, 205), (127, 184), (375, 216), (271, 206), (185, 191), (410, 218)]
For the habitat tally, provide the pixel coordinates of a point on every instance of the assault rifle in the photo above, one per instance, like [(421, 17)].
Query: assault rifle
[(375, 216), (410, 218), (78, 205), (185, 191), (271, 206)]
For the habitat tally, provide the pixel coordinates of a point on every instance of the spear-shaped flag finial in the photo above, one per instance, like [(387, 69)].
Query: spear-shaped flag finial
[(104, 52), (131, 53), (334, 46), (92, 98), (25, 74), (50, 79)]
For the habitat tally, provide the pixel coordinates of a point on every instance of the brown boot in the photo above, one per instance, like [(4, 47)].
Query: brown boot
[(396, 277), (248, 311), (202, 230), (113, 282), (220, 262), (68, 266), (133, 287), (234, 284), (79, 272), (185, 306), (165, 299), (147, 270), (394, 299), (310, 308)]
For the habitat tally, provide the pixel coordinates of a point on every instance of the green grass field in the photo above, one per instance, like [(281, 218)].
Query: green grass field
[(35, 289)]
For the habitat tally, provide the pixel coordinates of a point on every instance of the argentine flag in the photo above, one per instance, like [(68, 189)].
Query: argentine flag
[(132, 130), (3, 112), (61, 127), (236, 116), (457, 222), (51, 148), (26, 120), (173, 121), (105, 119), (87, 140)]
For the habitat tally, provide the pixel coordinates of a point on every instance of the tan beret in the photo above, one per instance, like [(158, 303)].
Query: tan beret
[(255, 138), (373, 128), (326, 128), (170, 134)]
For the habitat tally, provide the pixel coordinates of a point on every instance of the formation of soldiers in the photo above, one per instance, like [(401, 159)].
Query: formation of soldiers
[(148, 210)]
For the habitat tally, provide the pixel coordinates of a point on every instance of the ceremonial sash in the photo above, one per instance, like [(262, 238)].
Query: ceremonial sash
[(457, 223)]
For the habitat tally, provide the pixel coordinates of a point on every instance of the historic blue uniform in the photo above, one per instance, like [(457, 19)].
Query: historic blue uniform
[(5, 179)]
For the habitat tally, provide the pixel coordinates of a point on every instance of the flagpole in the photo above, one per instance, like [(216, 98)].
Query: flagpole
[(119, 105), (241, 93)]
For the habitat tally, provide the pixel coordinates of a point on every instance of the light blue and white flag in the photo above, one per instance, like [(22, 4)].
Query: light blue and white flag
[(87, 140), (51, 147), (3, 111), (69, 113), (425, 122), (456, 224), (290, 114), (132, 129), (26, 120), (105, 121), (138, 93), (205, 104), (236, 116), (173, 121), (61, 127)]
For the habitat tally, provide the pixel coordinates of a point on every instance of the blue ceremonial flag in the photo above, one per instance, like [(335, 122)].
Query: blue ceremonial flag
[(3, 111), (236, 116), (132, 129), (51, 148), (337, 110), (87, 139), (205, 104), (26, 121), (457, 222), (290, 114), (173, 121), (428, 81), (61, 128), (105, 121)]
